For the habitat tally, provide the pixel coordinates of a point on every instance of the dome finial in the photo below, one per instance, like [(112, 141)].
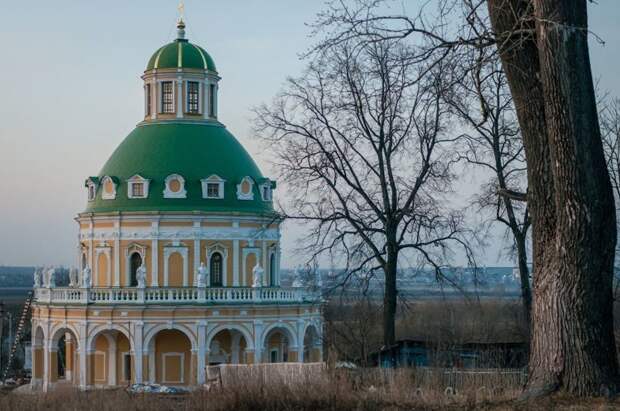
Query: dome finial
[(180, 23)]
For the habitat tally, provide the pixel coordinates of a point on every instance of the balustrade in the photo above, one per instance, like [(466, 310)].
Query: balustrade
[(171, 295)]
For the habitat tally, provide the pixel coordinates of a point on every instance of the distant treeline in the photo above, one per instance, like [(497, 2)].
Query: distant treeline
[(16, 276)]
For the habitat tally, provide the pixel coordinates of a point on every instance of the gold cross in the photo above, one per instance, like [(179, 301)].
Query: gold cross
[(181, 9)]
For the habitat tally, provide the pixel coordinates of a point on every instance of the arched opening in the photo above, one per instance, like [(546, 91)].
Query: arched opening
[(272, 270), (228, 347), (135, 261), (171, 358), (312, 345), (277, 345), (175, 270), (63, 357), (215, 270), (109, 362)]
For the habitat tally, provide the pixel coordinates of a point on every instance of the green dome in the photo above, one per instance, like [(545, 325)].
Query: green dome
[(193, 150), (181, 54)]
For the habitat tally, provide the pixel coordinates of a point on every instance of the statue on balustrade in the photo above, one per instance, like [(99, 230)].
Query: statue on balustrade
[(201, 277), (141, 276), (73, 277), (37, 278), (86, 277), (51, 278), (298, 282), (257, 273)]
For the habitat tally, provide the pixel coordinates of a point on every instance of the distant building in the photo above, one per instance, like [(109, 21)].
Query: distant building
[(179, 252), (415, 353)]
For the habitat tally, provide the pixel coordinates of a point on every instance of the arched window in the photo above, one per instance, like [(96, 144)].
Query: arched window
[(135, 261), (272, 270), (216, 270)]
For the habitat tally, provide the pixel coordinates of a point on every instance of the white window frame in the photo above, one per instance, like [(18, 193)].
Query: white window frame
[(212, 179), (137, 179), (104, 195), (168, 193), (245, 196), (163, 366)]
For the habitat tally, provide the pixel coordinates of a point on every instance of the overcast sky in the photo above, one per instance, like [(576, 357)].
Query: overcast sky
[(70, 91)]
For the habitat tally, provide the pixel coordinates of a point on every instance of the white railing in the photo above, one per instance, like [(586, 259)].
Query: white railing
[(168, 295)]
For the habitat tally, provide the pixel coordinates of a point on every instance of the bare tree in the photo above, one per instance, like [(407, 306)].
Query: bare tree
[(543, 46), (610, 132), (360, 139), (482, 100)]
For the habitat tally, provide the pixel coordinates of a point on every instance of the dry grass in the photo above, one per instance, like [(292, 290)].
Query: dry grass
[(366, 391)]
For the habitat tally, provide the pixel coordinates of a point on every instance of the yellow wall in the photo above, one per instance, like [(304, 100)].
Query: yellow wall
[(250, 262), (170, 342), (102, 270), (99, 370), (122, 347)]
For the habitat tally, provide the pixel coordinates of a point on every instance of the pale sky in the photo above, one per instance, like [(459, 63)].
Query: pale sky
[(70, 91)]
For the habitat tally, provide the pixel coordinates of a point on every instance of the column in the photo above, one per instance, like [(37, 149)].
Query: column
[(117, 253), (154, 94), (112, 360), (202, 353), (205, 99), (236, 262), (258, 343), (46, 365), (68, 357), (300, 339), (196, 251), (82, 357), (137, 351), (91, 244), (155, 254), (264, 263)]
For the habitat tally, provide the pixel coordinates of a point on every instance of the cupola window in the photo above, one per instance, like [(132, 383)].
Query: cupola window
[(137, 187), (244, 189), (193, 91), (167, 97), (212, 100), (109, 188), (213, 187), (175, 187), (147, 93)]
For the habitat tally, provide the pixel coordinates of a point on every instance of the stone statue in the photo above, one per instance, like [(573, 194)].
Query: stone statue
[(201, 278), (86, 277), (257, 273), (141, 276), (37, 277), (73, 277), (51, 278)]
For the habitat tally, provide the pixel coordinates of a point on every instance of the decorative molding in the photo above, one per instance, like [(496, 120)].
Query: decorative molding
[(104, 194), (247, 195), (181, 193), (170, 249)]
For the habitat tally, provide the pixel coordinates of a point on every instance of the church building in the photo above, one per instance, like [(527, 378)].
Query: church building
[(179, 252)]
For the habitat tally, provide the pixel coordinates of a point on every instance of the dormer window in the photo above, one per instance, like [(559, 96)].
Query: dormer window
[(266, 192), (109, 188), (175, 187), (167, 97), (137, 187), (92, 192), (244, 189), (193, 92), (213, 187), (91, 187)]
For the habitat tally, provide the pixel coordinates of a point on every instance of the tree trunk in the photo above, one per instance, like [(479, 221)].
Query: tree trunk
[(573, 217), (573, 314), (390, 295), (524, 277)]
